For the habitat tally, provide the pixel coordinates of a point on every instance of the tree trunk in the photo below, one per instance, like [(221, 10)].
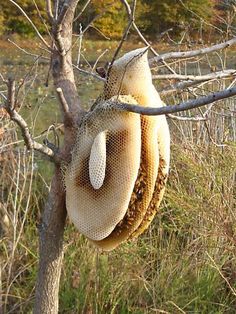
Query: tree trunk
[(54, 216)]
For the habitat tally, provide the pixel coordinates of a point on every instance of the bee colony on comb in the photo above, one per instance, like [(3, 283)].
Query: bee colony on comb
[(117, 175)]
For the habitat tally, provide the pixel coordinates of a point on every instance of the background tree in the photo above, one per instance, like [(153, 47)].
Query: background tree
[(152, 17), (13, 22)]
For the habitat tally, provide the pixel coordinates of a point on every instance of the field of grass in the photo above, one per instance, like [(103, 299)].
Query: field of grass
[(184, 263)]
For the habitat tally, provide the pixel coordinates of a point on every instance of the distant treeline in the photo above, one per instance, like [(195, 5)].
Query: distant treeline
[(108, 18)]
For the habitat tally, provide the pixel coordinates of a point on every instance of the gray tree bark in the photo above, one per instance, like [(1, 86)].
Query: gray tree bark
[(53, 219)]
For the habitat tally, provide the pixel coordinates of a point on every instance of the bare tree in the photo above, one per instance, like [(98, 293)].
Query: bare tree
[(51, 229)]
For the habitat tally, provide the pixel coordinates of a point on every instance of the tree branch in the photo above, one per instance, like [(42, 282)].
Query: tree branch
[(49, 11), (206, 77), (82, 10), (191, 104), (18, 119), (32, 24), (130, 13), (67, 117), (191, 119), (57, 28), (179, 87), (192, 80), (192, 53)]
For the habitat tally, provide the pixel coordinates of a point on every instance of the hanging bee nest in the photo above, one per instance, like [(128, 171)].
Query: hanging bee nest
[(117, 175)]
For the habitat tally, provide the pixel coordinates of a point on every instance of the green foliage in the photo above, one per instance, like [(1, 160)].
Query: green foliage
[(176, 14), (13, 21), (109, 18), (2, 27), (113, 18)]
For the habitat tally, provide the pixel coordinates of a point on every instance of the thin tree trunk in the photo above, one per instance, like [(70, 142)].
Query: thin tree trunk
[(53, 220)]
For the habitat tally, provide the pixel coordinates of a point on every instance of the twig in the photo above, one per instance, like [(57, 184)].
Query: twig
[(192, 53), (210, 76), (98, 58), (49, 11), (36, 137), (191, 104), (200, 18), (130, 12), (152, 50), (57, 27), (32, 24), (16, 117), (178, 87), (192, 80), (62, 99), (3, 96), (89, 73), (192, 119), (2, 78), (25, 51), (42, 19), (162, 34), (98, 16), (82, 10), (80, 44), (99, 31), (68, 119)]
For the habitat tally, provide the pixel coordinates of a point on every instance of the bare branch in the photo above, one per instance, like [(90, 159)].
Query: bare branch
[(25, 51), (207, 77), (67, 117), (49, 11), (98, 16), (82, 10), (11, 89), (192, 53), (32, 24), (98, 58), (3, 96), (57, 28), (89, 73), (130, 13), (179, 87), (16, 117), (192, 80), (127, 7), (80, 45), (152, 50), (191, 119), (62, 14), (29, 141), (63, 100), (2, 78), (191, 104)]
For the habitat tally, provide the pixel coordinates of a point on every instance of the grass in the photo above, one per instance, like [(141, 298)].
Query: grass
[(184, 263)]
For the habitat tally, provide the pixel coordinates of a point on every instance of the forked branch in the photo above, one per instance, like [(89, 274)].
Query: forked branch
[(30, 143)]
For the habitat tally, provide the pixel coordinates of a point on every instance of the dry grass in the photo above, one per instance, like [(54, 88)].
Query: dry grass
[(184, 263)]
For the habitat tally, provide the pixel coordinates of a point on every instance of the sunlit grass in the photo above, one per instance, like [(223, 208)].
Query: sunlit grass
[(184, 263)]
